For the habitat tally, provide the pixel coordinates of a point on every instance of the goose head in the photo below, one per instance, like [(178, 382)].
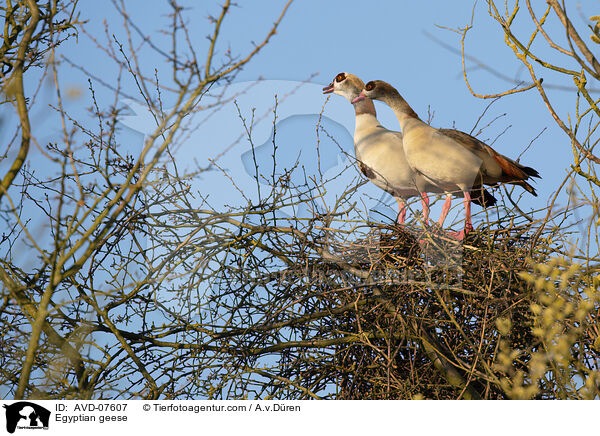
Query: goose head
[(376, 90), (345, 84)]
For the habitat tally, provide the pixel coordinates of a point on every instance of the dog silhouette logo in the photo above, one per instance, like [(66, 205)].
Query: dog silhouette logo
[(26, 415)]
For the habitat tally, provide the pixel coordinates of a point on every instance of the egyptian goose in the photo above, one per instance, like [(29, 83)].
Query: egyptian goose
[(379, 151), (447, 158)]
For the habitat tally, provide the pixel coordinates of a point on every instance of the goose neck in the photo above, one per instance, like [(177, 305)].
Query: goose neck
[(401, 108), (364, 107)]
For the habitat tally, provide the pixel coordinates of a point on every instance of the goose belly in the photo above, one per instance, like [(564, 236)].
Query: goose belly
[(441, 160), (386, 167)]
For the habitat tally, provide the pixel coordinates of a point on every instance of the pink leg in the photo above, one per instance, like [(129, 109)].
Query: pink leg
[(468, 224), (467, 201), (401, 211), (445, 209), (425, 203)]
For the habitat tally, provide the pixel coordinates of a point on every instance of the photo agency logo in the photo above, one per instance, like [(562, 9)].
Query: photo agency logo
[(248, 140), (24, 415)]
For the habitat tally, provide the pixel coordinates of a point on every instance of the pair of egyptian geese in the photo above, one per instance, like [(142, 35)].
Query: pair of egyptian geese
[(423, 159)]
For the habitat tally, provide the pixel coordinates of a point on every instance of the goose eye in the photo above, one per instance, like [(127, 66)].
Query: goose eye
[(370, 86), (340, 77)]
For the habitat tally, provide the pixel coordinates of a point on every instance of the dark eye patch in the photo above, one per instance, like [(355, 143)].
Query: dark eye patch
[(340, 77), (370, 86)]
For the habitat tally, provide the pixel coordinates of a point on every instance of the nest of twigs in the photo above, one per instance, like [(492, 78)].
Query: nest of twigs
[(422, 309)]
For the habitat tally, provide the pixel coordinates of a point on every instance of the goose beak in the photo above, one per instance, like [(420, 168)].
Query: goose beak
[(328, 89), (359, 98)]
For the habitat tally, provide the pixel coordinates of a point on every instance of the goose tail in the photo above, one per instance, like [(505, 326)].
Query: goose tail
[(516, 174)]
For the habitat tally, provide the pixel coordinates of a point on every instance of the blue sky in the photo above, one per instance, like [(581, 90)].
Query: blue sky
[(388, 40), (400, 42)]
